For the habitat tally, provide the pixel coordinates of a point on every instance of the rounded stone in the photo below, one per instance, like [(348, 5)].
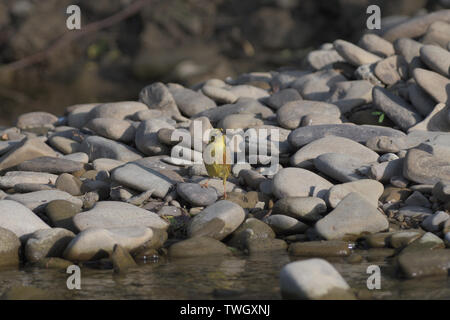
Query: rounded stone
[(198, 247), (217, 221), (313, 279), (309, 209), (297, 182), (9, 248), (47, 243), (114, 214), (196, 195), (70, 184)]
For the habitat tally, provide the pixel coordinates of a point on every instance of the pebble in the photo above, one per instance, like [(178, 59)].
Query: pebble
[(9, 248), (347, 95), (98, 147), (38, 200), (290, 115), (285, 225), (50, 165), (114, 214), (198, 247), (105, 164), (354, 54), (47, 243), (377, 45), (341, 167), (61, 213), (280, 98), (315, 119), (248, 91), (316, 86), (240, 121), (64, 145), (424, 263), (114, 129), (196, 195), (242, 105), (79, 114), (96, 243), (421, 101), (403, 238), (392, 194), (305, 156), (264, 246), (217, 184), (399, 181), (441, 191), (219, 95), (307, 209), (333, 248), (413, 28), (147, 137), (190, 102), (143, 178), (416, 212), (121, 259), (386, 170), (427, 164), (302, 136), (13, 178), (369, 189), (388, 157), (352, 216), (116, 110), (366, 72), (437, 58), (410, 50), (19, 219), (435, 222), (433, 83), (418, 199), (313, 279), (437, 120), (322, 59), (158, 97), (252, 178), (397, 109), (438, 34), (77, 157), (217, 221), (70, 184), (250, 229), (169, 211), (26, 150), (38, 119), (392, 70), (297, 182)]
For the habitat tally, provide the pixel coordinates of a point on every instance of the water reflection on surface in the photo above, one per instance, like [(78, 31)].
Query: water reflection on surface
[(238, 277)]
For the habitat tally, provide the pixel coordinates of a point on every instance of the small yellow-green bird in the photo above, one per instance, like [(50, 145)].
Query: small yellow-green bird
[(216, 157)]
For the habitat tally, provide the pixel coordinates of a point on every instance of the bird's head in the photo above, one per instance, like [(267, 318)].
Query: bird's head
[(215, 134)]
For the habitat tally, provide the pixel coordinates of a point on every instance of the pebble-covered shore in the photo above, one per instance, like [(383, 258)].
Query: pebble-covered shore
[(364, 151)]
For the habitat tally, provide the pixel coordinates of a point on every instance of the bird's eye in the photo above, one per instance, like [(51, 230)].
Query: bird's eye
[(213, 138)]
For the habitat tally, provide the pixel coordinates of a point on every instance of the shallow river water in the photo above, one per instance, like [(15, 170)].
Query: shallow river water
[(239, 277)]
